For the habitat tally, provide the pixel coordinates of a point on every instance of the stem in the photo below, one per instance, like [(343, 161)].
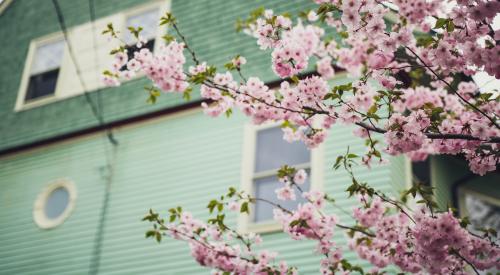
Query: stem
[(290, 212), (193, 55), (454, 252)]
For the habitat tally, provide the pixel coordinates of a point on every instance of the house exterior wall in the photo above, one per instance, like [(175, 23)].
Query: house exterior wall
[(183, 159), (209, 26)]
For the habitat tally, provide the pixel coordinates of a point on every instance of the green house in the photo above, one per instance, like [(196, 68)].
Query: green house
[(80, 163)]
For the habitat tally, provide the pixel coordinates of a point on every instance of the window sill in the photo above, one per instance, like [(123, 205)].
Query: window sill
[(37, 102), (263, 227)]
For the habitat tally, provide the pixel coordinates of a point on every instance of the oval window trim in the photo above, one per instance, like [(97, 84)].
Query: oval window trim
[(39, 214)]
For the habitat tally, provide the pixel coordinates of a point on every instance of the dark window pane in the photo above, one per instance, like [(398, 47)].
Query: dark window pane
[(421, 171), (56, 203), (273, 151), (42, 84), (131, 49), (265, 189)]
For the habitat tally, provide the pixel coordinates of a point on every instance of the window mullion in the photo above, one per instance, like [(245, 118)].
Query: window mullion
[(267, 173)]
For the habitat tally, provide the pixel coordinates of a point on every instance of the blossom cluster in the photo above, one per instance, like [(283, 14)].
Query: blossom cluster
[(372, 50), (309, 221), (213, 247), (432, 242), (164, 68)]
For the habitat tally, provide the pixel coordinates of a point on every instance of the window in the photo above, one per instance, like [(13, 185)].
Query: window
[(271, 153), (45, 70), (483, 211), (265, 152), (148, 21), (54, 204), (50, 74)]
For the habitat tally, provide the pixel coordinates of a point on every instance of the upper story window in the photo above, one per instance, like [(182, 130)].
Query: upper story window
[(50, 74), (148, 21), (44, 71), (265, 152)]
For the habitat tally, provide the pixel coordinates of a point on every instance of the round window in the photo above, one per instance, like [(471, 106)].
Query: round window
[(54, 204)]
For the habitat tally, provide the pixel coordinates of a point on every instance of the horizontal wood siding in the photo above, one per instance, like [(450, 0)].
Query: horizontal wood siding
[(186, 159)]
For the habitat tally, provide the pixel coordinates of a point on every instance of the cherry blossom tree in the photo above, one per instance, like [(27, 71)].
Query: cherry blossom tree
[(412, 62)]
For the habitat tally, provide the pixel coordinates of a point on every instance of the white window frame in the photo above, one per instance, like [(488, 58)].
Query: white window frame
[(39, 216), (245, 221), (21, 103)]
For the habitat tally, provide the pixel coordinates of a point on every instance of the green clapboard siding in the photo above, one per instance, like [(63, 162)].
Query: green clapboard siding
[(186, 159), (209, 26)]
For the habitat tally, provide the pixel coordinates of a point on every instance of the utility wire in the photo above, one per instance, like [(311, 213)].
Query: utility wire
[(95, 261), (107, 171), (93, 107)]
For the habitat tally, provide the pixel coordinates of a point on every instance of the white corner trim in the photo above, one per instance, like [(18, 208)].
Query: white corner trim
[(245, 223), (41, 220)]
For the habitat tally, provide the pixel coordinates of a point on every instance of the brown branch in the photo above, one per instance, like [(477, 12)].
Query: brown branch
[(454, 252), (193, 55)]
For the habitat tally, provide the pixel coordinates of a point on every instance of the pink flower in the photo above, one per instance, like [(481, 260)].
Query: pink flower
[(286, 193), (379, 59), (300, 177)]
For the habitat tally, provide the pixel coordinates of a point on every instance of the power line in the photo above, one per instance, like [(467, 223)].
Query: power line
[(95, 261), (93, 107), (107, 171)]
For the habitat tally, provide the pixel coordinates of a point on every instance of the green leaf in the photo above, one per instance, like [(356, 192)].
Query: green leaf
[(337, 162), (211, 205), (244, 208), (440, 23), (167, 19), (373, 109), (285, 171), (168, 38), (117, 50), (150, 233), (187, 93), (351, 156), (425, 41), (464, 222), (135, 32), (231, 192), (450, 27), (230, 66)]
